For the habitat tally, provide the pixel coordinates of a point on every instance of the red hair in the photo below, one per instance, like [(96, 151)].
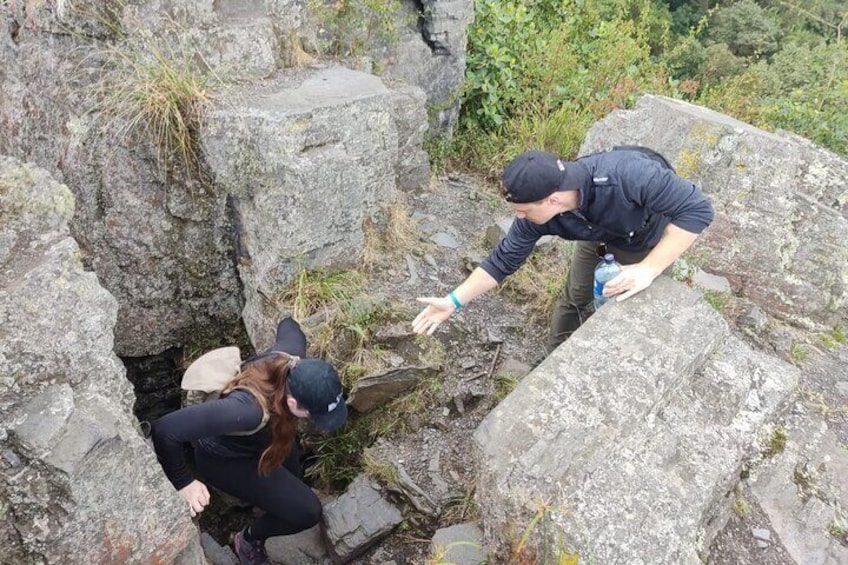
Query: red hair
[(266, 379)]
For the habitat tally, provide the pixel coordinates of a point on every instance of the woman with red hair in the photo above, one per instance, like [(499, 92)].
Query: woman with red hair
[(244, 442)]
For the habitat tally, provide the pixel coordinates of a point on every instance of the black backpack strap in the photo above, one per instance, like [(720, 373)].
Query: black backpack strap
[(653, 155)]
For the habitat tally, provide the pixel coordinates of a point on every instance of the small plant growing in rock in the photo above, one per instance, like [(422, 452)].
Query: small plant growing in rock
[(461, 508), (550, 550), (740, 506), (718, 300), (776, 442), (798, 353), (314, 290), (838, 529), (834, 338), (504, 385)]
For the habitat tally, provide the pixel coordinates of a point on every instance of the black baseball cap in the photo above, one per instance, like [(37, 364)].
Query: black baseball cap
[(316, 386), (535, 175)]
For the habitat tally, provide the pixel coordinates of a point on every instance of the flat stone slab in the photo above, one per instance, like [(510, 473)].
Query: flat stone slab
[(461, 544), (373, 391), (634, 430), (358, 519)]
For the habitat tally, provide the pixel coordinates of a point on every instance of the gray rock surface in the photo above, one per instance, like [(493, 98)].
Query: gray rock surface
[(304, 548), (804, 491), (72, 463), (310, 160), (634, 449), (215, 554), (430, 53), (358, 519), (461, 544), (781, 204), (164, 252)]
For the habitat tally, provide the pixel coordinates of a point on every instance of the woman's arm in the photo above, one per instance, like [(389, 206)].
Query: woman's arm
[(237, 412)]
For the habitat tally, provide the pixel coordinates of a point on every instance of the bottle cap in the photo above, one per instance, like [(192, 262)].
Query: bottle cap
[(609, 257)]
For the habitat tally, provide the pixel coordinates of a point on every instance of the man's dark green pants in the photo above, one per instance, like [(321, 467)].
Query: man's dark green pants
[(574, 304)]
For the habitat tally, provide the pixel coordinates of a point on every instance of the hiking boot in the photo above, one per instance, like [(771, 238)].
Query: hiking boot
[(250, 552)]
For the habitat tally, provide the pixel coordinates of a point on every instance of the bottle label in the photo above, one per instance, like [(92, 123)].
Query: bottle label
[(599, 288)]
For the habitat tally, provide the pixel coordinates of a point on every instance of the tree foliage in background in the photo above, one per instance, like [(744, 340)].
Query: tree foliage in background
[(540, 72), (747, 29)]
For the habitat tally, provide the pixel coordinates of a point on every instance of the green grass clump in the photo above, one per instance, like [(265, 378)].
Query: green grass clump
[(776, 443), (834, 338), (798, 353), (158, 88)]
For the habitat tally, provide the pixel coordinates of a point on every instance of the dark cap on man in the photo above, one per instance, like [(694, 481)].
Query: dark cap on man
[(316, 386), (535, 175)]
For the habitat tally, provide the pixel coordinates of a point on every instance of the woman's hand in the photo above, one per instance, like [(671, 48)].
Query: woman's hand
[(197, 496)]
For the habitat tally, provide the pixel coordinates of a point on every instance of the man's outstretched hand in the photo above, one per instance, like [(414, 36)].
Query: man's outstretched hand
[(437, 311)]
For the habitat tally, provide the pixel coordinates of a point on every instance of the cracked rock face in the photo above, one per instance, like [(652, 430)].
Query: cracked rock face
[(634, 430), (71, 462)]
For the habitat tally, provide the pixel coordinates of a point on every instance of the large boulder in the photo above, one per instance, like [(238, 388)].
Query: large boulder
[(631, 434), (161, 244), (163, 250), (781, 204), (431, 54), (310, 160), (77, 482)]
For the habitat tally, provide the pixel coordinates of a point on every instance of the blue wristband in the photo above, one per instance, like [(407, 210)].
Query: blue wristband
[(455, 301)]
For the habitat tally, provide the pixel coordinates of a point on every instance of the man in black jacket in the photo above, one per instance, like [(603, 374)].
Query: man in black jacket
[(627, 198)]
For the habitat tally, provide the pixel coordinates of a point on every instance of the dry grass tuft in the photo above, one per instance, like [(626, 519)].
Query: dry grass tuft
[(157, 90), (398, 236), (539, 281)]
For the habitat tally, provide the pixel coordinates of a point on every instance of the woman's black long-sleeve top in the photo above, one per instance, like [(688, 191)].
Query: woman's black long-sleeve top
[(205, 426)]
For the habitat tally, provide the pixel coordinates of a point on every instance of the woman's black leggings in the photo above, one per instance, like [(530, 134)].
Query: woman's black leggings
[(290, 506)]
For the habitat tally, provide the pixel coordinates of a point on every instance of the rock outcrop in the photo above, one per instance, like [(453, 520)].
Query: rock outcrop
[(77, 482), (165, 245), (626, 441), (310, 162), (781, 204)]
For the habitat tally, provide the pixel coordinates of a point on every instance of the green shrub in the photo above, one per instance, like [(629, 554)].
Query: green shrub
[(746, 28), (533, 84), (721, 64), (687, 58)]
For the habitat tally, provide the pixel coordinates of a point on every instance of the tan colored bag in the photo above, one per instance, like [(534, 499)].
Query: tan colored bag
[(209, 374)]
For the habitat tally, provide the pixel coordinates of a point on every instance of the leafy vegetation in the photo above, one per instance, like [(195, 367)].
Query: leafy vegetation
[(351, 27), (540, 72)]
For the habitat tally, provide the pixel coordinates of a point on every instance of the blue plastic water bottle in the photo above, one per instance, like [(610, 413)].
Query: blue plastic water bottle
[(605, 271)]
